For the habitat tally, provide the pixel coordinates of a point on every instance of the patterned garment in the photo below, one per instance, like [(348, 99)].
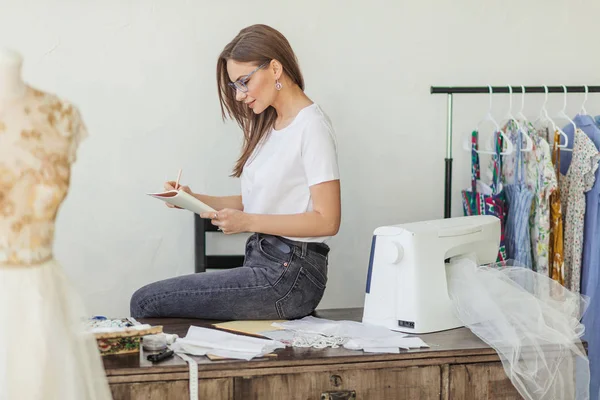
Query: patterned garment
[(556, 250), (540, 178), (579, 179), (477, 203), (519, 199), (38, 144)]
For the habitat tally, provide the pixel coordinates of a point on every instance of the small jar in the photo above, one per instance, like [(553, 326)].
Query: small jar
[(154, 342)]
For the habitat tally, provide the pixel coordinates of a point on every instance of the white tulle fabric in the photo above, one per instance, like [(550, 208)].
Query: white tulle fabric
[(530, 320), (45, 351)]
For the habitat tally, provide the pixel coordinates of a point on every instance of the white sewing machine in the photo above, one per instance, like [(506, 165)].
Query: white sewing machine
[(407, 282)]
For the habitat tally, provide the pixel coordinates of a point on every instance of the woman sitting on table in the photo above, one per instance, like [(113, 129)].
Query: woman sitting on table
[(290, 194)]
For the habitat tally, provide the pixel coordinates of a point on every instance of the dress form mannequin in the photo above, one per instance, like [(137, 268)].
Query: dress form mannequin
[(45, 352), (11, 83)]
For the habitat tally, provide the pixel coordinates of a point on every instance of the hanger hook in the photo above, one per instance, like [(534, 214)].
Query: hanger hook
[(583, 110), (491, 93), (564, 98), (546, 96)]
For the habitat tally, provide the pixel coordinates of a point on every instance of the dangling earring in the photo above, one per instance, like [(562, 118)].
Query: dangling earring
[(278, 84)]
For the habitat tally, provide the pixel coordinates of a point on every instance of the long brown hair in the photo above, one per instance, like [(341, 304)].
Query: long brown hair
[(255, 44)]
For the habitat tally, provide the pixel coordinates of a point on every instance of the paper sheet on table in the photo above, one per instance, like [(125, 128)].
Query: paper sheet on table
[(213, 357), (328, 327), (392, 341), (282, 335), (360, 336), (186, 348), (391, 344), (250, 327), (201, 341)]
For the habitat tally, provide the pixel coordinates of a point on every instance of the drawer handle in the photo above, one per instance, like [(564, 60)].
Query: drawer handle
[(339, 395), (336, 380)]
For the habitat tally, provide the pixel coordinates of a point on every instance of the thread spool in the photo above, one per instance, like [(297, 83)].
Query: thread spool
[(158, 342)]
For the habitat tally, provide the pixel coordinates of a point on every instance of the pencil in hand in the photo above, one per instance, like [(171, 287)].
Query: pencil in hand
[(177, 181)]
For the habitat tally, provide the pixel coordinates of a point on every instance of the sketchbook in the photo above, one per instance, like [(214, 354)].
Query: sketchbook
[(184, 200), (249, 327)]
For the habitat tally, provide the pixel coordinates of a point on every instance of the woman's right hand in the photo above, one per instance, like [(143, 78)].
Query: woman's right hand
[(170, 185)]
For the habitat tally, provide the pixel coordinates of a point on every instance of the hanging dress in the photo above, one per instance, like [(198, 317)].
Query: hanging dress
[(579, 179), (518, 199), (488, 199), (590, 273), (541, 180), (556, 221)]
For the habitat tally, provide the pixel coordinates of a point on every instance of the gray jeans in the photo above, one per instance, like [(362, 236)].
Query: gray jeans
[(280, 279)]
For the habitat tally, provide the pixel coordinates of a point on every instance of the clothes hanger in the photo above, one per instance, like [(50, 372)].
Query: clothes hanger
[(520, 113), (490, 118), (582, 110), (511, 117), (563, 115), (543, 116)]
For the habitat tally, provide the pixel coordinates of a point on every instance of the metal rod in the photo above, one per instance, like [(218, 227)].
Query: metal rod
[(449, 127), (448, 164), (515, 89)]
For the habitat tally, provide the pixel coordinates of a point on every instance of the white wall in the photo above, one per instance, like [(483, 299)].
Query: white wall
[(143, 75)]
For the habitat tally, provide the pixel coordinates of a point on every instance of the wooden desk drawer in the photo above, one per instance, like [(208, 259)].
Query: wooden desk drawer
[(481, 381), (373, 384), (215, 389)]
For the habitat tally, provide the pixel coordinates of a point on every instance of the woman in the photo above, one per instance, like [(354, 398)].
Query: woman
[(290, 194)]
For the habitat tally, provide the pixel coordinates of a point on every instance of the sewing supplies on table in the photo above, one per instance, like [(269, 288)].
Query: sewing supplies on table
[(320, 333), (158, 341), (202, 341), (119, 336), (163, 355)]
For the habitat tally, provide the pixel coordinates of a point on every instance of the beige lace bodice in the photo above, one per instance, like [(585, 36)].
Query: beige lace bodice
[(39, 136)]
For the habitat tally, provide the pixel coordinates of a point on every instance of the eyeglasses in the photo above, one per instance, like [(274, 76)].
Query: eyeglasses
[(240, 84)]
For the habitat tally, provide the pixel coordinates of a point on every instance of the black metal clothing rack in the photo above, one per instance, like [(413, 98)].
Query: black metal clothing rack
[(450, 90)]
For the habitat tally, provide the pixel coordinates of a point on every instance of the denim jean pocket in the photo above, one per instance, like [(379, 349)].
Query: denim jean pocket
[(302, 298), (275, 250), (317, 266)]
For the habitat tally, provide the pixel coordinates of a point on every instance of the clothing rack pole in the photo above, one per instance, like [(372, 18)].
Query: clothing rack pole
[(448, 173), (450, 90)]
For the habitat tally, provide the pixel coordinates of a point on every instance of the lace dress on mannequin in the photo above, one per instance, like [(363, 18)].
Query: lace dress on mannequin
[(45, 352)]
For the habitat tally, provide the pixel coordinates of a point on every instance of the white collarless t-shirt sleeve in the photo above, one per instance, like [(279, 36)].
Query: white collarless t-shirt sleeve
[(319, 153)]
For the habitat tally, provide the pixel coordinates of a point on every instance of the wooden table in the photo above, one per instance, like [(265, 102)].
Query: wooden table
[(456, 366)]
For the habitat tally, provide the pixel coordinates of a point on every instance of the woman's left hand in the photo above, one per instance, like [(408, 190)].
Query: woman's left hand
[(228, 220)]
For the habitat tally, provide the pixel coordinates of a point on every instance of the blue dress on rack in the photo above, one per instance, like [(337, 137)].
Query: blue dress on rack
[(519, 199), (590, 266)]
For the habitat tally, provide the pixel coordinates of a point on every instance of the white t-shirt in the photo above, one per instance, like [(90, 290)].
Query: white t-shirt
[(277, 176)]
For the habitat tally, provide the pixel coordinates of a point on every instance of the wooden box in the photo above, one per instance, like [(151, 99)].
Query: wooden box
[(125, 341)]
